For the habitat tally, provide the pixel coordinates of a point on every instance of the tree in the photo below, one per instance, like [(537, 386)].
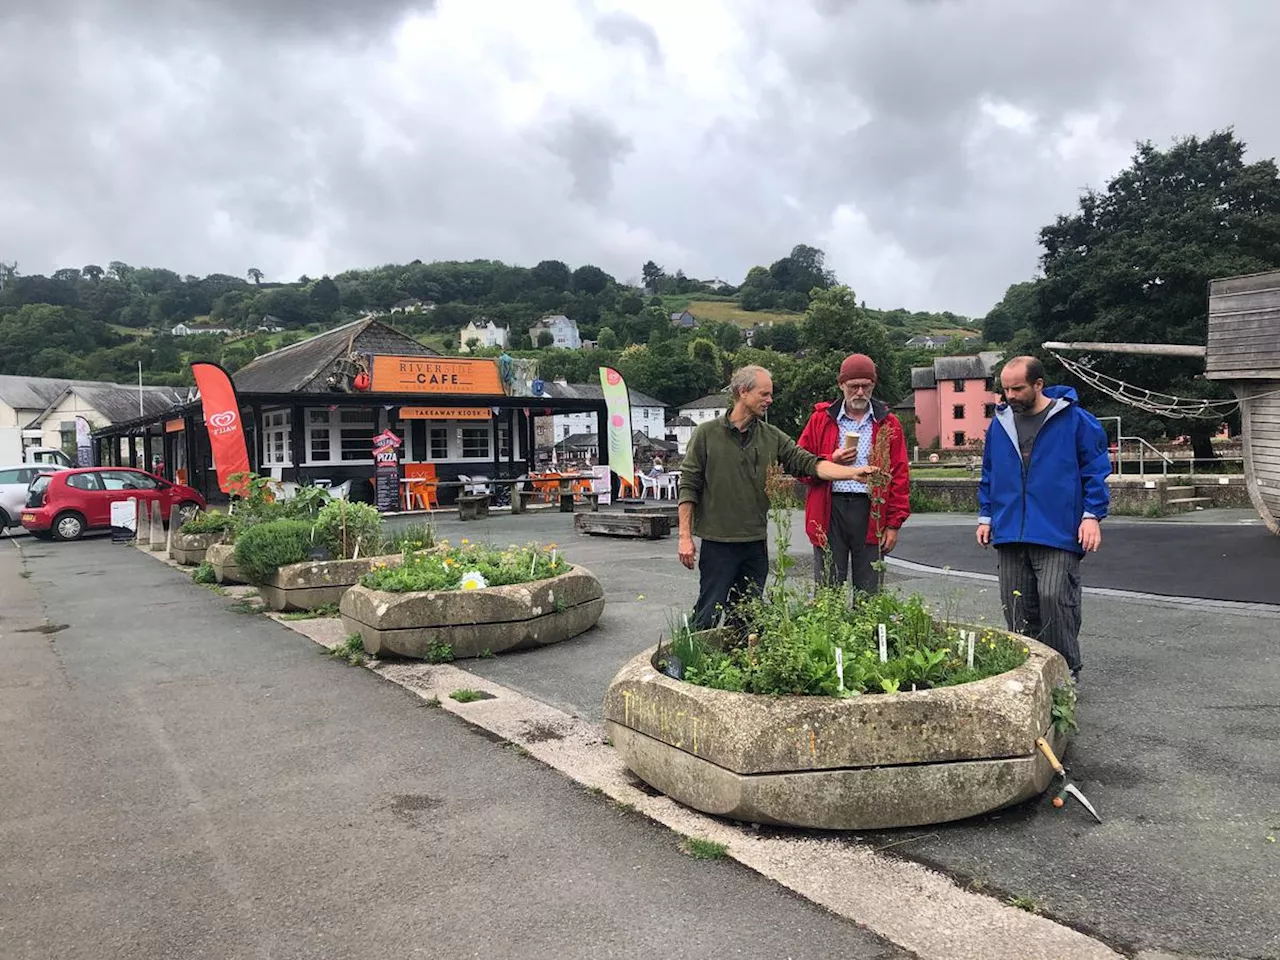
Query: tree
[(92, 271), (545, 339), (801, 271), (1018, 310), (654, 276), (551, 275), (1134, 262), (589, 279), (607, 339), (326, 296), (835, 323), (255, 275)]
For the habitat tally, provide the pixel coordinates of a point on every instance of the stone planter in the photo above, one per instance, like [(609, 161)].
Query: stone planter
[(868, 762), (316, 583), (222, 557), (189, 548), (495, 619)]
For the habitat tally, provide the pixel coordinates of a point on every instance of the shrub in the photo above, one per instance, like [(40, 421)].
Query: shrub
[(344, 527), (204, 573), (446, 569), (208, 522), (264, 547)]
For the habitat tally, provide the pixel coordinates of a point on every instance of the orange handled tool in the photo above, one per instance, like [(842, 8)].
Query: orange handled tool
[(1067, 788)]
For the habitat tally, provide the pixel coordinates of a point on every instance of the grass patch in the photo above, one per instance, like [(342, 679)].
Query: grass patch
[(245, 606), (433, 702), (1029, 904), (204, 573), (328, 610), (702, 849), (487, 654), (350, 650), (729, 311), (439, 652), (468, 696)]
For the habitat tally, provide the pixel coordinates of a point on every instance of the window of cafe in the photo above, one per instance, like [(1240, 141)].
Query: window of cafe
[(340, 436), (439, 443), (475, 443), (277, 450)]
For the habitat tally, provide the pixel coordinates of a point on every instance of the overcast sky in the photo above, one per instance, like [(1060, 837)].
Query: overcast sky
[(920, 143)]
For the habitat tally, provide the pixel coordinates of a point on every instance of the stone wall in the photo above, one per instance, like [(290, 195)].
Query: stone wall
[(1130, 496)]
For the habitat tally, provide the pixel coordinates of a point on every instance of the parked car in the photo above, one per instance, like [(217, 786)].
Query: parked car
[(14, 481), (67, 503)]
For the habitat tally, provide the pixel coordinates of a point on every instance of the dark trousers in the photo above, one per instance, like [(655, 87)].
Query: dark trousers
[(1040, 591), (728, 572), (848, 547)]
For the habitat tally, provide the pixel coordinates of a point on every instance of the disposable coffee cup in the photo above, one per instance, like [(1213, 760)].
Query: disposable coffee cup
[(851, 441)]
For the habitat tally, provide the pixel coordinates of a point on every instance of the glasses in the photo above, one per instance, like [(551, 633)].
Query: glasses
[(859, 387)]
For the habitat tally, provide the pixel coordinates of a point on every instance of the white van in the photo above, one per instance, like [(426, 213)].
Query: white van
[(13, 489)]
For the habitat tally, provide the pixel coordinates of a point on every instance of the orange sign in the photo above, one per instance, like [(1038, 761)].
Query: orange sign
[(436, 375), (173, 426), (222, 418), (444, 413)]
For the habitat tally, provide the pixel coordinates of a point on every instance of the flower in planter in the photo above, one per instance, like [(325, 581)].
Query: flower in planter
[(473, 581)]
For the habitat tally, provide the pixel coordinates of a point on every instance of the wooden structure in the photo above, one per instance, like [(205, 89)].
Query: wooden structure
[(1244, 353), (623, 525)]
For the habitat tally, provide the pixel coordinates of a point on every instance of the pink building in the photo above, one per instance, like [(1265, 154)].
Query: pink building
[(955, 400)]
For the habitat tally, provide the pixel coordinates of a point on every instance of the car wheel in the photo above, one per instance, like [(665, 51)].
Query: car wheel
[(5, 522), (186, 510), (68, 526)]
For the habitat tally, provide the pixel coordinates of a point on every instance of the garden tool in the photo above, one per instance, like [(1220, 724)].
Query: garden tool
[(1067, 787)]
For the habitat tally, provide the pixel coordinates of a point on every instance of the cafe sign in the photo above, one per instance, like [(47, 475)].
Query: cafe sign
[(444, 413), (436, 375)]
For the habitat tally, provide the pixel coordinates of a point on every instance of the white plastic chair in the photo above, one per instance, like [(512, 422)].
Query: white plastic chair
[(649, 485), (342, 491), (474, 486)]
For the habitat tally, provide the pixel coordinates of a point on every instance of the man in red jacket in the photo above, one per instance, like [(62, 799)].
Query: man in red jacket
[(855, 521)]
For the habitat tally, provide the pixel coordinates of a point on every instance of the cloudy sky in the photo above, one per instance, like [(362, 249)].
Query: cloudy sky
[(920, 143)]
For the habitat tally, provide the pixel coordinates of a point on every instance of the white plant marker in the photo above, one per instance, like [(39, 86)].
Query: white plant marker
[(972, 639), (840, 666), (553, 556), (884, 643)]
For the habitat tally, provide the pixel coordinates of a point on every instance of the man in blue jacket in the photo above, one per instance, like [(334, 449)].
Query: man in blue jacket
[(1041, 502)]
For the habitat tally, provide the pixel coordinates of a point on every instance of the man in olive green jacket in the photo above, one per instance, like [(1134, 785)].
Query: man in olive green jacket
[(723, 499)]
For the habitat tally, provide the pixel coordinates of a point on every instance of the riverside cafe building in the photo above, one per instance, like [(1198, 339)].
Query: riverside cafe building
[(311, 412)]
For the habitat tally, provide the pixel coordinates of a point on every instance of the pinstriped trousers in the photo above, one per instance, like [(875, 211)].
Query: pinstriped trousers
[(1040, 591)]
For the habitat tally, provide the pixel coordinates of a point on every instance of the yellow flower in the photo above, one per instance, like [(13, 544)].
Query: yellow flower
[(464, 540), (448, 561), (473, 581), (1017, 593), (639, 596), (1025, 650)]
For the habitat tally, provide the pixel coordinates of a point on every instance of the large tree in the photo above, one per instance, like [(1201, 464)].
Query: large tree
[(1133, 264)]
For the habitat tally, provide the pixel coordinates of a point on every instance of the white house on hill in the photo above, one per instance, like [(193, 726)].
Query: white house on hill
[(563, 330), (489, 334), (705, 408), (647, 414)]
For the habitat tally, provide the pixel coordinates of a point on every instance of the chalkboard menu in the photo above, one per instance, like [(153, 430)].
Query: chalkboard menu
[(386, 465)]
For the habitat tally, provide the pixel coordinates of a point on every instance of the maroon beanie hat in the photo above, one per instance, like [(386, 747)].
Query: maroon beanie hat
[(857, 366)]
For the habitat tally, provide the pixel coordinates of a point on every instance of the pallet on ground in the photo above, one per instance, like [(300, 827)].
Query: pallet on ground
[(649, 527)]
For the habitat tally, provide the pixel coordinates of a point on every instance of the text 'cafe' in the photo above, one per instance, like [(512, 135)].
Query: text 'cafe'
[(312, 411)]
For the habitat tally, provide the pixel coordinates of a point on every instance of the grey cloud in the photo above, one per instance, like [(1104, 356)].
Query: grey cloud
[(621, 28), (590, 147)]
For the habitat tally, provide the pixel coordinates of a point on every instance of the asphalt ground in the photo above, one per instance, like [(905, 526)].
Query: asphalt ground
[(1231, 561), (180, 780), (1178, 748)]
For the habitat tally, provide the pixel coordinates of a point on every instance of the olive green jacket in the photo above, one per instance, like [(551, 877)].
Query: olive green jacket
[(723, 475)]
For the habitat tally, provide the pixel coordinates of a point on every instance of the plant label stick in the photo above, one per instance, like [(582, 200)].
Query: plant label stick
[(972, 638), (840, 666), (884, 643), (553, 556)]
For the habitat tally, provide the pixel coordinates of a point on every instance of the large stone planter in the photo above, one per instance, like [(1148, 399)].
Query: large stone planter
[(222, 557), (189, 548), (493, 619), (868, 762), (316, 583)]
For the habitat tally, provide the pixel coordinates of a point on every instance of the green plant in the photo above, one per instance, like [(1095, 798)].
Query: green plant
[(446, 567), (348, 529), (433, 702), (208, 521), (204, 573), (1029, 904), (327, 610), (439, 652), (703, 849), (922, 501), (263, 548), (414, 536), (1064, 708), (467, 696), (487, 654), (351, 650)]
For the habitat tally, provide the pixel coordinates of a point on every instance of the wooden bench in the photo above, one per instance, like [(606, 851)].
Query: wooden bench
[(473, 506), (520, 500), (648, 527), (592, 497)]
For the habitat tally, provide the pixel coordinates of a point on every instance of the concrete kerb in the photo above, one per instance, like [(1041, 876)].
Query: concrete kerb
[(904, 902)]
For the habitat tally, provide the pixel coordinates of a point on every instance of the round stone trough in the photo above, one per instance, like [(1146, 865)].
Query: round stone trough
[(222, 558), (472, 622), (189, 549), (873, 761)]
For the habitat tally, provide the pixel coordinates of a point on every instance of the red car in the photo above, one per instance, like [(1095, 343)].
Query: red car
[(68, 503)]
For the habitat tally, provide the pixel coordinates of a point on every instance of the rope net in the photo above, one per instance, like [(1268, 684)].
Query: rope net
[(1152, 401)]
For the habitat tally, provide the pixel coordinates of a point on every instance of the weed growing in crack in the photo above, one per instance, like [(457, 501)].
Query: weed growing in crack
[(702, 849)]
